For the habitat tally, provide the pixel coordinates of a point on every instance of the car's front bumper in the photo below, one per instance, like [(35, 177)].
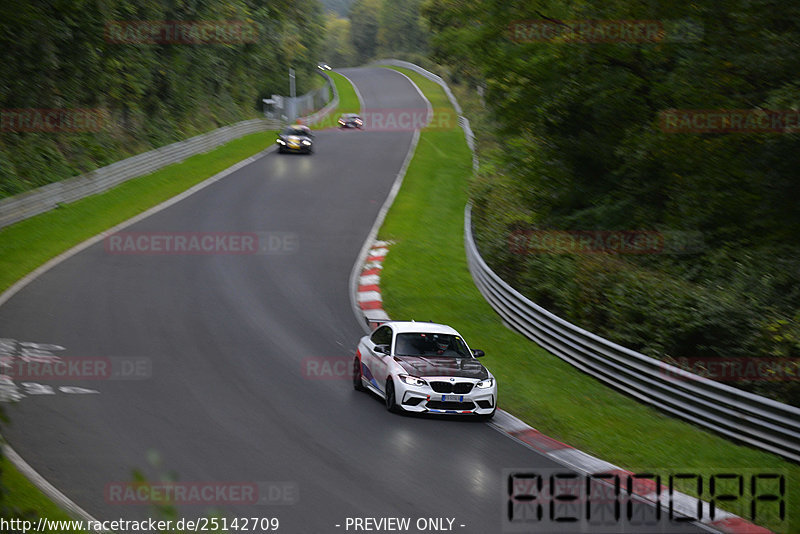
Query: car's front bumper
[(423, 399), (288, 147)]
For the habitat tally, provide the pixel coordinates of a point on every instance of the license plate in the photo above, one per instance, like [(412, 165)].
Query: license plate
[(454, 398)]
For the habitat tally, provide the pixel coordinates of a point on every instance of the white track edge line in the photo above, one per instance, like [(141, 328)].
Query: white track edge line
[(46, 487)]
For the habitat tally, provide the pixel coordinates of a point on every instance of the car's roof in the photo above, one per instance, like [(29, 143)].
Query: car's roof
[(349, 115), (421, 327), (297, 127)]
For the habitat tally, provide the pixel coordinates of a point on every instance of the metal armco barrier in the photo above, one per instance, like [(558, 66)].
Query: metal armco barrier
[(45, 198), (330, 106), (300, 108), (753, 419)]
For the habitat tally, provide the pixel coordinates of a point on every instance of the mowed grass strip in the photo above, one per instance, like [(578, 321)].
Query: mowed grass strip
[(24, 497), (348, 99), (425, 277)]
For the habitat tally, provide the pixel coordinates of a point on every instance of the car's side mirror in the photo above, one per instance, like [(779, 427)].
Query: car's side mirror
[(478, 353), (383, 349)]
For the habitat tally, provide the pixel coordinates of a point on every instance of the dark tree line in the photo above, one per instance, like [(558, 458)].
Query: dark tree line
[(58, 55), (375, 28), (576, 143)]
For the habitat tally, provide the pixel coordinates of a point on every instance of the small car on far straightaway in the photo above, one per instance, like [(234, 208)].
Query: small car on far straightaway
[(425, 368), (296, 138), (350, 120)]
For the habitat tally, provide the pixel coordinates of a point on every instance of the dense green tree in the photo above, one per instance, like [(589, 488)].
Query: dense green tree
[(585, 148), (401, 29), (62, 55), (338, 47), (364, 21)]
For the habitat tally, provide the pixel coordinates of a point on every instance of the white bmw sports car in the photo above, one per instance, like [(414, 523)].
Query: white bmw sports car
[(424, 367)]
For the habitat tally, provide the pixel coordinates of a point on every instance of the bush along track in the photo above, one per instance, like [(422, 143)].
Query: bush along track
[(426, 277)]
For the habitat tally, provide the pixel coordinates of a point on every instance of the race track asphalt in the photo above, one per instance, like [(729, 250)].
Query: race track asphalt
[(228, 340)]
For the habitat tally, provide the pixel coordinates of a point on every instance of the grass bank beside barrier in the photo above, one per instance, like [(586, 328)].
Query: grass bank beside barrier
[(425, 277), (348, 99)]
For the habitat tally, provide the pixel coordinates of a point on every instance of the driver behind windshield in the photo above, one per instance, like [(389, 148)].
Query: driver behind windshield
[(442, 346)]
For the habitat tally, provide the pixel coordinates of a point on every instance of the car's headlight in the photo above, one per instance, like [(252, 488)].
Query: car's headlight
[(281, 142), (484, 384), (413, 380), (306, 142)]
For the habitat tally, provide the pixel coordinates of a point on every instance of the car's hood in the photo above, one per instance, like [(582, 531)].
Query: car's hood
[(432, 366)]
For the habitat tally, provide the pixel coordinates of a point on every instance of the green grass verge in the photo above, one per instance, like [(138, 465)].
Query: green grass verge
[(27, 244), (425, 277), (348, 99), (24, 496)]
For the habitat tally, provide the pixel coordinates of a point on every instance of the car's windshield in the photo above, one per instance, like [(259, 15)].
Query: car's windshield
[(427, 344), (294, 131)]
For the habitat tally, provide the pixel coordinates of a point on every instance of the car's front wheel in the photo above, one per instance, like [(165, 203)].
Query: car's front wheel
[(391, 401)]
